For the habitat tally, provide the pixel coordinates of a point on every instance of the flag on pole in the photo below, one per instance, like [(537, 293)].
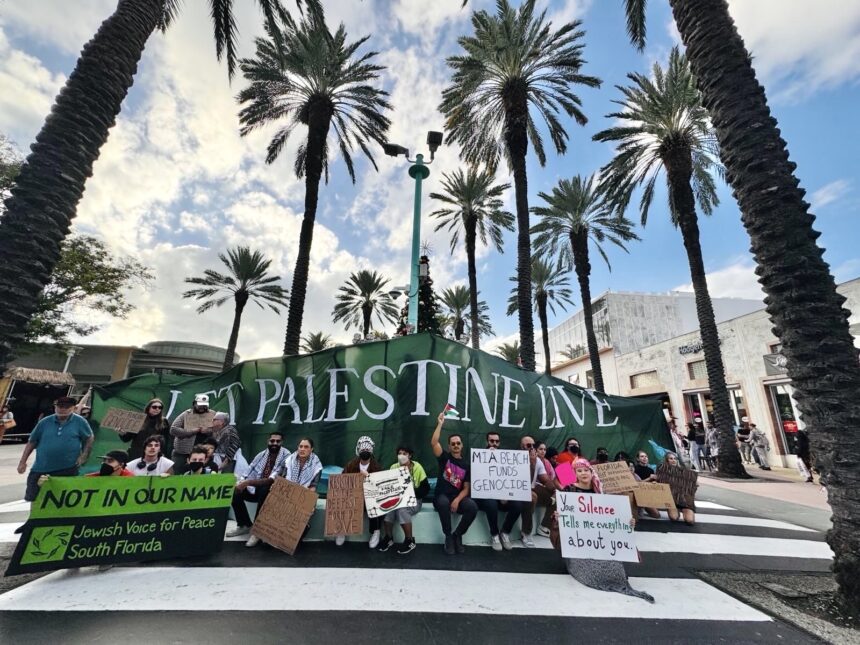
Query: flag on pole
[(450, 412)]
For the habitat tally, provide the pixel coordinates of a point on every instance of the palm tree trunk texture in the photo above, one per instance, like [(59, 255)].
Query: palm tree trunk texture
[(473, 281), (230, 354), (517, 142), (51, 183), (679, 168), (319, 119), (366, 314), (582, 266), (544, 327), (802, 301)]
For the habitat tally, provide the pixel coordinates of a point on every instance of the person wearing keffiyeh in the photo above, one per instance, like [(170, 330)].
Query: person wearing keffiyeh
[(303, 467), (605, 575)]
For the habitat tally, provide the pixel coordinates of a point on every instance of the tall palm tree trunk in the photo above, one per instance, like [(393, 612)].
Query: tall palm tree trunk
[(582, 266), (319, 119), (517, 142), (679, 168), (51, 182), (366, 313), (544, 327), (230, 354), (473, 282), (802, 300)]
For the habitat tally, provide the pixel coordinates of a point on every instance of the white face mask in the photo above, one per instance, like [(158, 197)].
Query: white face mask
[(403, 459)]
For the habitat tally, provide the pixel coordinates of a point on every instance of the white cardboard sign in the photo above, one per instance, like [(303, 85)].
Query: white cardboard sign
[(388, 490), (500, 474), (596, 527)]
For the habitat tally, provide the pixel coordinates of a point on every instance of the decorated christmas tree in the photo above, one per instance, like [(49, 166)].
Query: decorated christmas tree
[(429, 318)]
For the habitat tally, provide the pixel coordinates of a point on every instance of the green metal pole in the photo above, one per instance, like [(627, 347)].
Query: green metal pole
[(418, 172)]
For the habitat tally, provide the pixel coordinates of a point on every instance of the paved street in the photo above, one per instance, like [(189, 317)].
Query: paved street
[(324, 592)]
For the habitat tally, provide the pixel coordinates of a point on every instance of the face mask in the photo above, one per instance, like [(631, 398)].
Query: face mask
[(573, 448), (403, 459), (106, 470), (364, 455), (196, 466)]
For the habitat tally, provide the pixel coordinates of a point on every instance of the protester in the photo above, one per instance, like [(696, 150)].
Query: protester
[(303, 467), (552, 456), (514, 509), (62, 442), (543, 489), (228, 440), (570, 453), (743, 436), (267, 465), (210, 445), (155, 423), (403, 516), (642, 468), (184, 438), (645, 469), (761, 445), (364, 463), (113, 465), (605, 575), (452, 488), (601, 456), (197, 463), (153, 463), (686, 508), (804, 455), (7, 420)]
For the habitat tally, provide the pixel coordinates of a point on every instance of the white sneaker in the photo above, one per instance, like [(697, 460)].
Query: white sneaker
[(543, 531), (497, 546), (239, 530), (252, 541), (374, 539), (339, 540), (528, 542), (506, 541)]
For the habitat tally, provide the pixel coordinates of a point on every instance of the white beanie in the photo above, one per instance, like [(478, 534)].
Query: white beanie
[(364, 443)]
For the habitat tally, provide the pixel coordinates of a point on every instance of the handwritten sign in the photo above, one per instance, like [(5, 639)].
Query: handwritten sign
[(123, 421), (344, 505), (501, 474), (284, 516), (194, 420), (565, 474), (596, 527), (615, 476), (651, 495), (388, 490), (682, 481)]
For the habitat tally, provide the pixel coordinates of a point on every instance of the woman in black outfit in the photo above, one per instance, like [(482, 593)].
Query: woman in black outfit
[(155, 424)]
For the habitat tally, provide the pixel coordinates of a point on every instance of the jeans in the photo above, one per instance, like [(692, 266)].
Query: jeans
[(745, 450), (491, 508), (403, 515), (467, 510), (241, 511), (695, 453), (761, 451), (33, 480)]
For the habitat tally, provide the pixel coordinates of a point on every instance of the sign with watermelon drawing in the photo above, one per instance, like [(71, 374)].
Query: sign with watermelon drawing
[(388, 490)]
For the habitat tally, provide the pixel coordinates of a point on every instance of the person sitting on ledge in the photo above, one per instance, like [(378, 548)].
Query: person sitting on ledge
[(452, 488), (364, 463), (500, 539), (403, 516)]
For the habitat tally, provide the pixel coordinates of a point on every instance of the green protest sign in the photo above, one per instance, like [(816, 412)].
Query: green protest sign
[(81, 521), (392, 391)]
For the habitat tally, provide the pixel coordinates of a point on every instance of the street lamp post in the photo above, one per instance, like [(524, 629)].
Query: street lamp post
[(419, 172)]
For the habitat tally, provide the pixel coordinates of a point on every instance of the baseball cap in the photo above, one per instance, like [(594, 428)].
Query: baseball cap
[(201, 399), (744, 419), (65, 402), (120, 455)]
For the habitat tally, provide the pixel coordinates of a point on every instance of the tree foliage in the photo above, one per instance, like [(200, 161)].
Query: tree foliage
[(316, 342), (10, 166), (362, 296), (456, 303)]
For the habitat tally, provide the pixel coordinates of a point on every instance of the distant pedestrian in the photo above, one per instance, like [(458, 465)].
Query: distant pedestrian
[(7, 420), (744, 445), (761, 445), (804, 455)]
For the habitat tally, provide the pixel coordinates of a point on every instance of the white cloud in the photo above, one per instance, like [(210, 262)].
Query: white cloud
[(829, 193), (737, 280)]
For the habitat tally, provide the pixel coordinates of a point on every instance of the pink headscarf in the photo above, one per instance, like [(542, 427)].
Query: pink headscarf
[(596, 486)]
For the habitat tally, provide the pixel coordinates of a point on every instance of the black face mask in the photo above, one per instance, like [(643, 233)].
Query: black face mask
[(573, 449), (196, 466), (106, 470), (364, 455)]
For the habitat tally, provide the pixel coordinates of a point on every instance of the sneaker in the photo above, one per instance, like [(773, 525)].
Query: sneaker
[(339, 540), (528, 542), (374, 539), (458, 543), (252, 541), (105, 567), (449, 545), (239, 530), (407, 547), (505, 539), (543, 531), (497, 546), (385, 543)]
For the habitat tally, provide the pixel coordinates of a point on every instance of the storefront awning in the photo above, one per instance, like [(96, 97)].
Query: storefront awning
[(33, 375)]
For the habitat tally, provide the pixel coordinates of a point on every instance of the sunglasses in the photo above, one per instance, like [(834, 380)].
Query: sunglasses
[(275, 441), (494, 441), (529, 446), (156, 407), (456, 443)]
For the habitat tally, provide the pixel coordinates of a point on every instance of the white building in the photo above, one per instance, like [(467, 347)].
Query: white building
[(673, 370)]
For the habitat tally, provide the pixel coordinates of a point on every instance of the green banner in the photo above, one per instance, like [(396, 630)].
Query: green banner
[(82, 521), (392, 391)]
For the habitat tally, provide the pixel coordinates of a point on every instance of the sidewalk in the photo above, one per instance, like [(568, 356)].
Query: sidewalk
[(784, 484)]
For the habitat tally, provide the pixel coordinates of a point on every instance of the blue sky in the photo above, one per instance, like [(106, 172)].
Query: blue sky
[(176, 184)]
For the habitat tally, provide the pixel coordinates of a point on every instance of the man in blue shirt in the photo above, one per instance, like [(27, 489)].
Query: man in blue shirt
[(62, 442)]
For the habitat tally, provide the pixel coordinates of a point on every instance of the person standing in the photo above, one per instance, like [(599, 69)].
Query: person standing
[(155, 423), (62, 442), (227, 436), (153, 463), (185, 438), (744, 445), (761, 445), (364, 463), (452, 488), (804, 454), (7, 420)]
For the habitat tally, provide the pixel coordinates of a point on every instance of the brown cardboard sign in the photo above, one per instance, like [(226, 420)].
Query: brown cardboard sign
[(285, 515), (651, 495), (194, 420), (682, 481), (123, 421), (615, 477), (344, 505)]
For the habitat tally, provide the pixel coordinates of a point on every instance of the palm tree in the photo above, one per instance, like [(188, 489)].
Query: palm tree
[(510, 352), (247, 280), (52, 181), (515, 62), (573, 215), (316, 342), (473, 206), (308, 76), (456, 301), (551, 289), (363, 295), (802, 301), (666, 128)]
